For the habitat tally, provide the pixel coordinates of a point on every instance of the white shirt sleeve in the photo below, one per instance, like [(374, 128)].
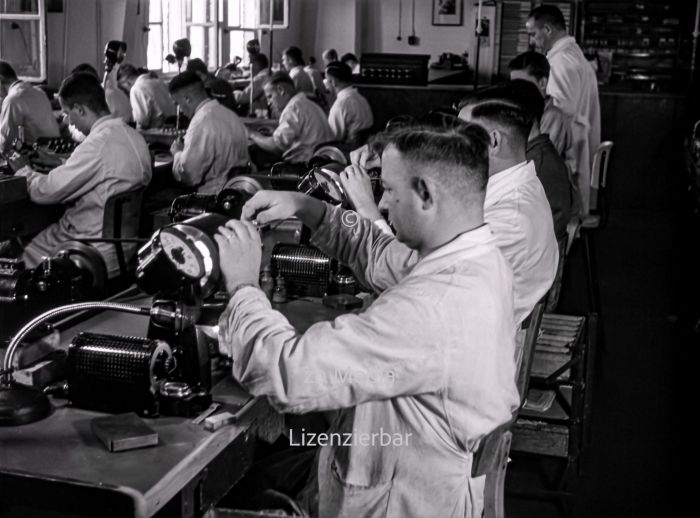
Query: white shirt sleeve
[(190, 164), (341, 363), (288, 130), (68, 182), (336, 120), (8, 124), (139, 107)]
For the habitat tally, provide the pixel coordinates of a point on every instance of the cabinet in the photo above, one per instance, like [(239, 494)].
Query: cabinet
[(639, 44), (556, 416)]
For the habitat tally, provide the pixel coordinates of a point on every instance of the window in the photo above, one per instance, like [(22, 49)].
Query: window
[(217, 29), (23, 37)]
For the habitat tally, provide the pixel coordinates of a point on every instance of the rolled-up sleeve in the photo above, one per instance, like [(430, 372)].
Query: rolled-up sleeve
[(68, 182), (388, 351), (376, 258)]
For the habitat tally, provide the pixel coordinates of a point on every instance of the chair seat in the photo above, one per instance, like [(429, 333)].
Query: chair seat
[(591, 221)]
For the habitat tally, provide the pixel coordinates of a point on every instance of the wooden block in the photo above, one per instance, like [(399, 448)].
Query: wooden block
[(540, 438), (42, 373), (123, 432)]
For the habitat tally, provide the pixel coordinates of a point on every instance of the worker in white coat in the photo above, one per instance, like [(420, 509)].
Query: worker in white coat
[(573, 86), (112, 159), (429, 364)]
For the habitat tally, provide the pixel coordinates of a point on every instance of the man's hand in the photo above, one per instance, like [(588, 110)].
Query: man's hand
[(269, 206), (358, 186), (240, 250), (17, 161), (177, 146), (364, 158)]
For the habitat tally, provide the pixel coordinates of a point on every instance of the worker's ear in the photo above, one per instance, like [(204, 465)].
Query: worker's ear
[(548, 29), (424, 189), (495, 142), (80, 108), (542, 83)]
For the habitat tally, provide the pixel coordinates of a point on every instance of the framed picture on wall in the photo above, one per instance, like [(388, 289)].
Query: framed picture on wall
[(447, 12)]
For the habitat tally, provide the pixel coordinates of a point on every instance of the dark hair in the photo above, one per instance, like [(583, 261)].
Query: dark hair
[(458, 157), (196, 65), (340, 71), (507, 114), (83, 88), (7, 71), (183, 80), (330, 55), (532, 62), (548, 14), (294, 53), (127, 70), (85, 68), (348, 57), (260, 60), (519, 91), (280, 78)]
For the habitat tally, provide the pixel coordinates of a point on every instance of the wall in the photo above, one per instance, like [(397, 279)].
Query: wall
[(378, 28), (73, 37)]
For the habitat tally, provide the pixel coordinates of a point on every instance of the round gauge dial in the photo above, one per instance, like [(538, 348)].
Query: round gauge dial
[(183, 256), (329, 182)]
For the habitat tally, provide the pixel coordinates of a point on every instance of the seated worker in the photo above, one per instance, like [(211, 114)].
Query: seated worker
[(549, 165), (23, 105), (351, 60), (150, 102), (534, 67), (350, 113), (328, 56), (322, 95), (112, 159), (215, 142), (293, 63), (259, 71), (429, 363), (117, 101), (218, 89), (516, 207), (303, 124)]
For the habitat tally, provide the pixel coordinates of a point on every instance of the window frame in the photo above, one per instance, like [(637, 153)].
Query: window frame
[(41, 16)]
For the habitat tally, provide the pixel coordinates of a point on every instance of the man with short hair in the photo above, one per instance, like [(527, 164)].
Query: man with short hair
[(23, 105), (351, 60), (117, 101), (350, 114), (534, 67), (573, 86), (150, 102), (215, 142), (516, 204), (293, 63), (259, 70), (113, 159), (218, 89), (429, 363), (329, 55), (549, 165), (302, 124)]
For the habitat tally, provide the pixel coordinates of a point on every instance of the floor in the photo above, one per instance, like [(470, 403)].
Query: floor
[(648, 278)]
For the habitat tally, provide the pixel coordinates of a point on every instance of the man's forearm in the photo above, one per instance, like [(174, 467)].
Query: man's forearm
[(266, 144), (311, 212)]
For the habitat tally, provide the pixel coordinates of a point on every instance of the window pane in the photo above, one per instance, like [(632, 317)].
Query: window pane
[(155, 11), (19, 45), (234, 13), (238, 41), (201, 11), (203, 40), (155, 47), (19, 6)]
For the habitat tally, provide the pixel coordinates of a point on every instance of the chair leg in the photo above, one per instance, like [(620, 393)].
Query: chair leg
[(591, 273)]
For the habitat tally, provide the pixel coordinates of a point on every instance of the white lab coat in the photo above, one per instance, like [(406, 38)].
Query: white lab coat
[(151, 103), (431, 360), (118, 104), (29, 107), (113, 158), (259, 102), (303, 125), (574, 87), (349, 115), (216, 140)]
